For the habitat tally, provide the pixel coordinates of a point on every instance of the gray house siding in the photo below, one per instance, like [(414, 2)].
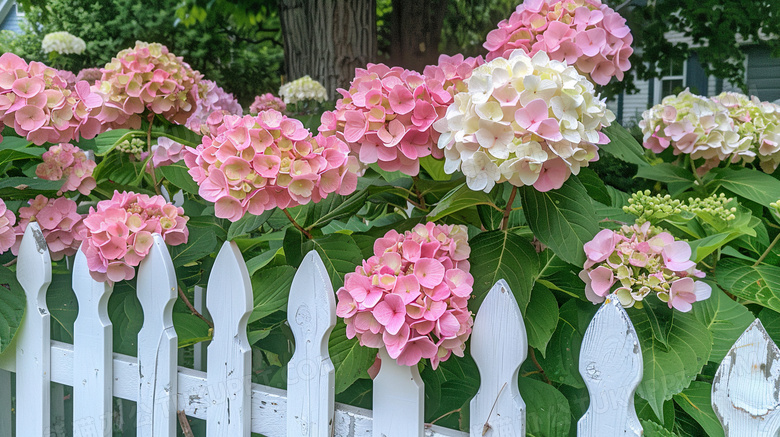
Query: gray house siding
[(763, 74), (9, 19)]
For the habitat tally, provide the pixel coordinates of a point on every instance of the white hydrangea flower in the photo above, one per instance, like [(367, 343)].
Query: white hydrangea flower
[(63, 43), (758, 125), (696, 126), (528, 121), (304, 88)]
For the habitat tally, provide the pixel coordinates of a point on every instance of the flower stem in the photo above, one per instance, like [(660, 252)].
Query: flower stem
[(149, 149), (297, 226), (193, 310), (420, 198), (695, 173), (768, 249), (538, 366), (508, 209)]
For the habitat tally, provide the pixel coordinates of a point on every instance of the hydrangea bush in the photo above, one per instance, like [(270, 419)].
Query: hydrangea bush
[(418, 190), (63, 43)]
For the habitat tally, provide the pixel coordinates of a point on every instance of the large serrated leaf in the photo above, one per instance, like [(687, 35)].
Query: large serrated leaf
[(725, 319), (248, 223), (670, 368), (190, 329), (178, 174), (563, 219), (12, 305), (201, 242), (339, 253), (458, 199), (751, 184), (653, 429), (271, 288), (667, 173), (542, 318), (503, 255), (350, 359), (623, 146), (563, 350), (759, 283), (547, 411), (696, 401)]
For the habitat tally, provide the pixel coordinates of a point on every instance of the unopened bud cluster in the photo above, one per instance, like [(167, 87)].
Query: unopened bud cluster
[(658, 207), (135, 146)]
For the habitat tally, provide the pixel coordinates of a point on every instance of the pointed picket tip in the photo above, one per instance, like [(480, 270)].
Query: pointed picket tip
[(34, 265), (499, 346), (229, 273), (489, 331), (611, 367), (745, 394), (312, 303), (157, 276)]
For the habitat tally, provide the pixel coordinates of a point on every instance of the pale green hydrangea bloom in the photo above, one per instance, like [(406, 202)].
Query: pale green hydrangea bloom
[(304, 88), (63, 43)]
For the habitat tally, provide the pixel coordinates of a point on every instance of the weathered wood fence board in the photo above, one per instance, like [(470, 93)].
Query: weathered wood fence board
[(745, 393)]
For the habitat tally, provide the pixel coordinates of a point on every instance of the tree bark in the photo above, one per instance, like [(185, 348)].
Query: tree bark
[(415, 32), (328, 39)]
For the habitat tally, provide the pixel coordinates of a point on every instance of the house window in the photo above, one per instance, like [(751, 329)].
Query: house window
[(673, 79), (19, 11)]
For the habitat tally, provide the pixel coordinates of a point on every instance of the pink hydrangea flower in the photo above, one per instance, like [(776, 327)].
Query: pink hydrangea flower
[(585, 33), (147, 77), (60, 224), (68, 162), (265, 102), (166, 152), (7, 233), (90, 75), (214, 99), (638, 260), (411, 297), (387, 114), (37, 102), (119, 232), (255, 163)]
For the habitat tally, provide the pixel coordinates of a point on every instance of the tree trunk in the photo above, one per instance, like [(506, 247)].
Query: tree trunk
[(415, 32), (328, 39)]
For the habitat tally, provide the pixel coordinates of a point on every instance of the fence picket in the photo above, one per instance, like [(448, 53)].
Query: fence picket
[(398, 400), (92, 354), (311, 377), (611, 366), (499, 346), (229, 361), (157, 344), (5, 403), (33, 350), (745, 393)]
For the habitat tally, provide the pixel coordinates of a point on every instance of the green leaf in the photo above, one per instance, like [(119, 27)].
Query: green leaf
[(543, 317), (126, 314), (339, 253), (561, 361), (458, 199), (563, 219), (12, 305), (622, 145), (597, 189), (696, 401), (335, 207), (200, 243), (21, 188), (177, 174), (270, 288), (107, 141), (179, 133), (350, 359), (262, 260), (190, 329), (759, 283), (435, 168), (725, 319), (667, 173), (771, 321), (653, 429), (751, 184), (547, 410), (670, 369), (248, 223), (503, 255)]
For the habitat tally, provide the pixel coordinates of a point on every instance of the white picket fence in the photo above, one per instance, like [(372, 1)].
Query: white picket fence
[(746, 396)]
